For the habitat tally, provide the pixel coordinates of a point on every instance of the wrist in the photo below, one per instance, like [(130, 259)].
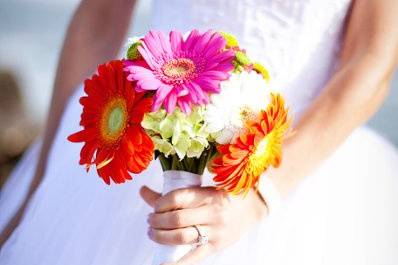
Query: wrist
[(261, 209), (269, 193)]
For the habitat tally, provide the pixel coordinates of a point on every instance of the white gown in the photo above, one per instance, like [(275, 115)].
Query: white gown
[(344, 213)]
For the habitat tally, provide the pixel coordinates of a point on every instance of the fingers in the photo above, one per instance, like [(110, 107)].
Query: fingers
[(149, 196), (181, 236), (194, 256), (185, 198), (181, 218)]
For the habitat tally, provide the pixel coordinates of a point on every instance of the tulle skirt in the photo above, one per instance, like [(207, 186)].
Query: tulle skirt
[(344, 213)]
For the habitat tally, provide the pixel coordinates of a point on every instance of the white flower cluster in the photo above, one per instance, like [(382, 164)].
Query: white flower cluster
[(241, 98)]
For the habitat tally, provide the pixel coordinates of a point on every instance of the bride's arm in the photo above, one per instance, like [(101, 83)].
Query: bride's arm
[(94, 36), (367, 63)]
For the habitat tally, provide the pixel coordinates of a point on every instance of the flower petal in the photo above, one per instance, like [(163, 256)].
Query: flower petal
[(145, 84), (170, 101), (83, 136), (191, 40), (160, 95), (87, 153), (176, 41)]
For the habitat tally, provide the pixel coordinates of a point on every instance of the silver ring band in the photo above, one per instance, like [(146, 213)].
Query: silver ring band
[(202, 239)]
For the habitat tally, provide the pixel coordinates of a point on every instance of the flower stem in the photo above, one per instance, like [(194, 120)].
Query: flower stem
[(189, 164)]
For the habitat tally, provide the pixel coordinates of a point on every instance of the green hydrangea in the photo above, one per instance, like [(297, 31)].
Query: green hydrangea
[(178, 133)]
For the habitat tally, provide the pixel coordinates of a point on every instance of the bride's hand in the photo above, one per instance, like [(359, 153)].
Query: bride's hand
[(222, 218)]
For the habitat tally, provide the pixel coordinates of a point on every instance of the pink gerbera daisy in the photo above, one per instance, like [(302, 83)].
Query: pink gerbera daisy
[(182, 72)]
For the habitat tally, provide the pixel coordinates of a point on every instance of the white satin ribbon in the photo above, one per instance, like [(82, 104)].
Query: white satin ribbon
[(173, 180)]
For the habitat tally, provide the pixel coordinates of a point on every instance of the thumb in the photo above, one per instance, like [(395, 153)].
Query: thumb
[(149, 196)]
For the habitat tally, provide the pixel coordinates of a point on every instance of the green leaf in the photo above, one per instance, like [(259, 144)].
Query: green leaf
[(132, 52)]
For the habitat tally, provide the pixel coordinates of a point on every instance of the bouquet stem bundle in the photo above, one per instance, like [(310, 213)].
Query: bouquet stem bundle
[(179, 174), (188, 164)]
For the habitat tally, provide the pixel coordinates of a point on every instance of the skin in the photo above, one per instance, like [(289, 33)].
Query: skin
[(367, 62)]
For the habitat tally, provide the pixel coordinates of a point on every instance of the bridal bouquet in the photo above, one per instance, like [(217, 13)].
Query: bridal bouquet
[(194, 102)]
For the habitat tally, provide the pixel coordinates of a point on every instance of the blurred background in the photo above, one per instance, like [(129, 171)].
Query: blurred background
[(31, 35)]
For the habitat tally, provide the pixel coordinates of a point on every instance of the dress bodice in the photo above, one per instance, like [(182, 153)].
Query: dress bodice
[(297, 40)]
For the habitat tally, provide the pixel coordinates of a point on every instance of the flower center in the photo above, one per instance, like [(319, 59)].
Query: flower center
[(258, 160), (246, 114), (114, 120), (261, 149), (181, 68), (261, 156)]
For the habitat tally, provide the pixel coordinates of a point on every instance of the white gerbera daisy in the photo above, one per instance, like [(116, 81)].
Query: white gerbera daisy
[(241, 99)]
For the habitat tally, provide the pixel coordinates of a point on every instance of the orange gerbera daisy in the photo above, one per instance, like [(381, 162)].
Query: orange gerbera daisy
[(113, 137), (239, 166)]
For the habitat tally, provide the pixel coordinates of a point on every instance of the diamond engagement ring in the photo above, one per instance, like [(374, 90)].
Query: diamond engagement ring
[(202, 239)]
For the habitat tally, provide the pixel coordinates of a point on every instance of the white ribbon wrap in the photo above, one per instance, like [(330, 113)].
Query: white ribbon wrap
[(173, 180)]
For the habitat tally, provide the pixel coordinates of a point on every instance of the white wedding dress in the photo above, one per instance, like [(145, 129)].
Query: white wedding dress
[(344, 213)]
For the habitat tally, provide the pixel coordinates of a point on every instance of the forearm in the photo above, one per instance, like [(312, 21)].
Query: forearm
[(367, 62), (351, 97), (92, 38)]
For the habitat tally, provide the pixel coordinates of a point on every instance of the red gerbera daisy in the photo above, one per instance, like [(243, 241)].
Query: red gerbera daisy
[(113, 137)]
